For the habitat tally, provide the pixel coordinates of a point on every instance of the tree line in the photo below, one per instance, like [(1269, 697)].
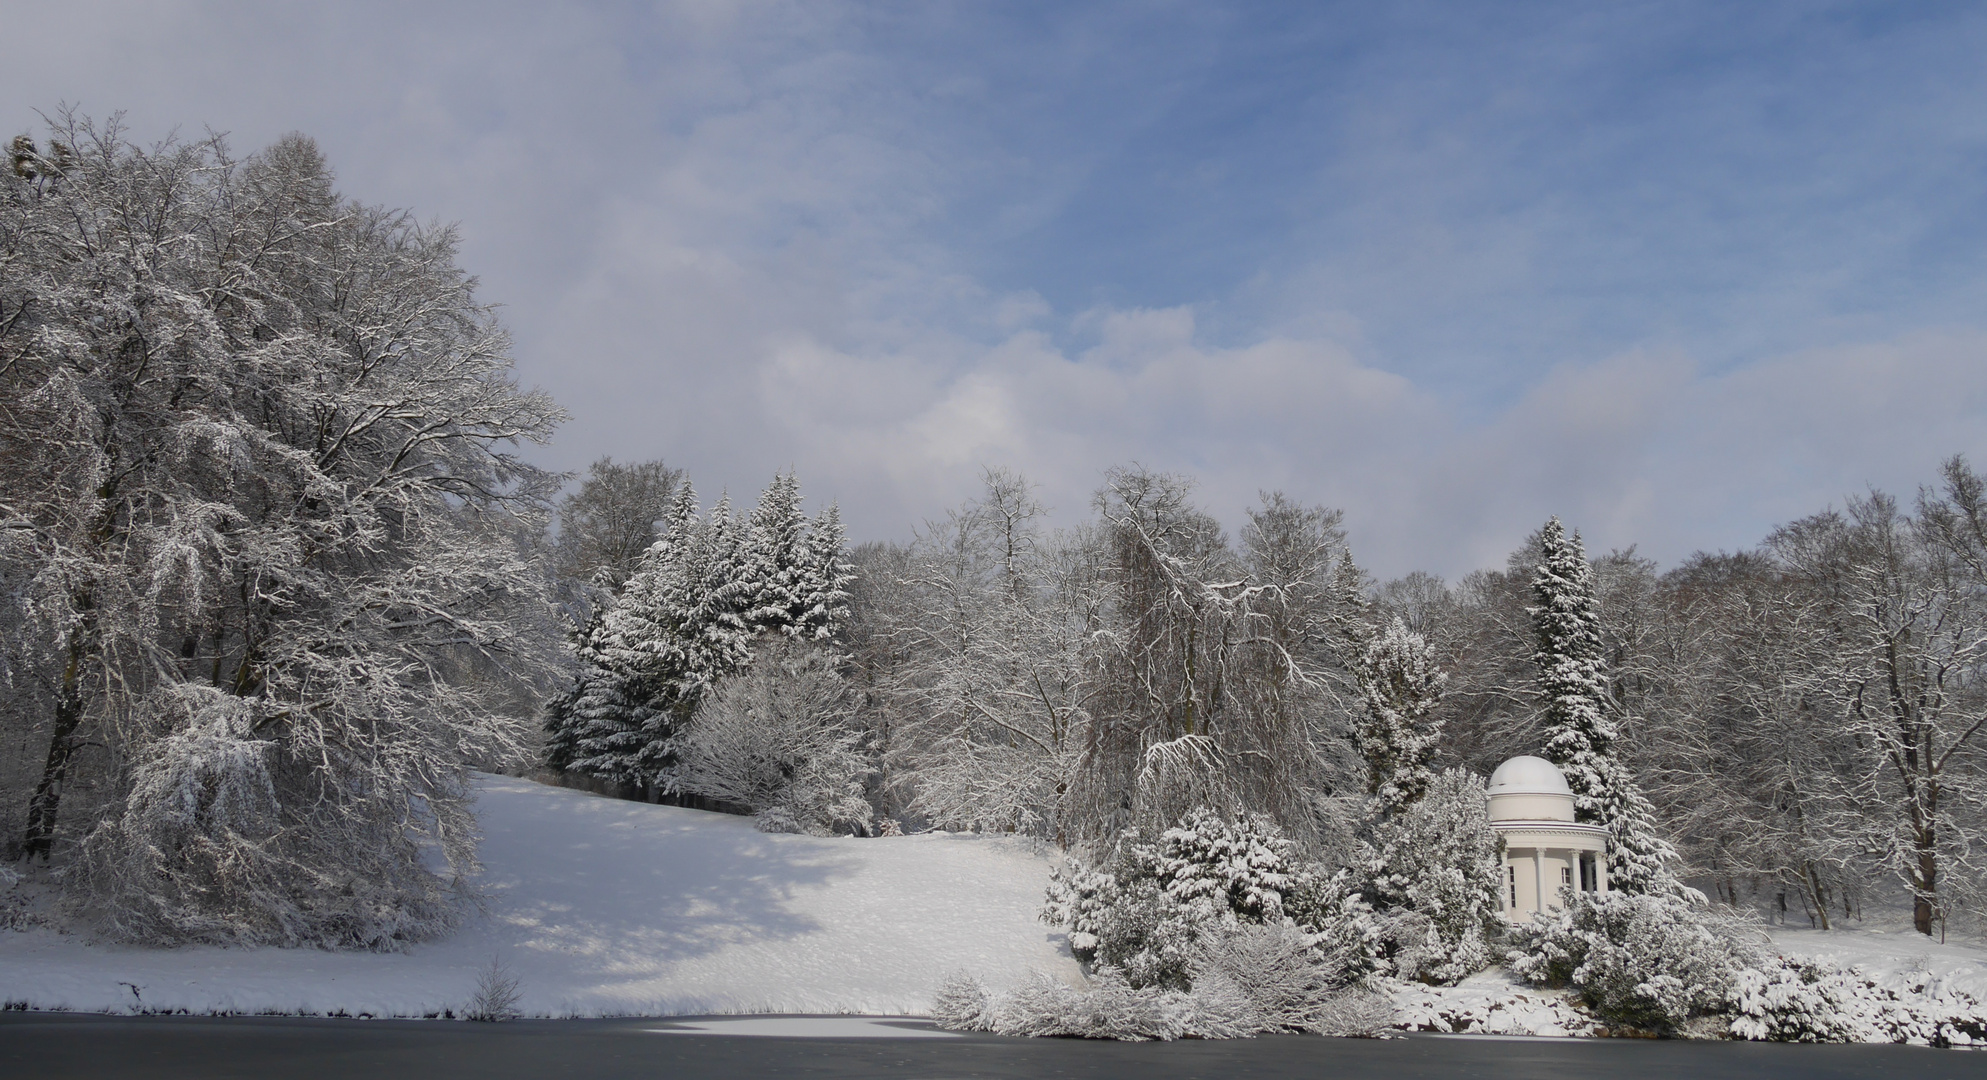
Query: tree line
[(274, 577)]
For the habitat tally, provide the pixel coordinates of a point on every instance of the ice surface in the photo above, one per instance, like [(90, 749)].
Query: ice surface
[(808, 1027), (610, 908)]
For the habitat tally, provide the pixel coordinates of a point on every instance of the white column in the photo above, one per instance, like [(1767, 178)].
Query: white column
[(1601, 871), (1538, 880)]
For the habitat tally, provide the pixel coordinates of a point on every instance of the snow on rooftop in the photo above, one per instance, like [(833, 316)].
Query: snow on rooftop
[(1526, 775)]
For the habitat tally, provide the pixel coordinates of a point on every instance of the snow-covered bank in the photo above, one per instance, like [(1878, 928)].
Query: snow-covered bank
[(1892, 957), (606, 908), (1490, 1003), (1494, 1003)]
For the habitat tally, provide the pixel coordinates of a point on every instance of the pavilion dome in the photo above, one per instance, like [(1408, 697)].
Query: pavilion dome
[(1528, 775), (1529, 789)]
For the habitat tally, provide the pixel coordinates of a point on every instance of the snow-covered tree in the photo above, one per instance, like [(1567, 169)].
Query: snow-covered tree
[(258, 444), (780, 741), (792, 574), (594, 700), (607, 715), (824, 587), (672, 632), (687, 618), (607, 524), (1213, 686), (773, 560), (986, 618), (1432, 877), (1891, 671), (1578, 730), (1402, 686)]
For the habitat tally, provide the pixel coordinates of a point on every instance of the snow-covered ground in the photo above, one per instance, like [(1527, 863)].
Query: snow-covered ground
[(611, 908), (1893, 957), (1494, 1003), (1490, 1003), (604, 908)]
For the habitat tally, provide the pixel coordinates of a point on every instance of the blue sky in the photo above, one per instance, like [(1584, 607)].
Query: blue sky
[(1676, 272)]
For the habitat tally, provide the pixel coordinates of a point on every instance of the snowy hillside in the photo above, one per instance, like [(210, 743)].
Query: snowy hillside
[(604, 907)]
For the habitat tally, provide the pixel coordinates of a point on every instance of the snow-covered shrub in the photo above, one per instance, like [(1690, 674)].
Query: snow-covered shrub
[(779, 741), (961, 1003), (1433, 874), (1110, 1008), (1804, 1001), (1224, 1004), (1145, 912), (1355, 1013), (206, 851), (1645, 961), (1224, 914), (1490, 1004), (1274, 969)]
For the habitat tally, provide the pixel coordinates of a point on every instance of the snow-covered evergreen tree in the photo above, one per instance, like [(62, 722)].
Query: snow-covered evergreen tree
[(824, 593), (773, 561), (717, 585), (674, 631), (1402, 686), (792, 575), (687, 618), (1579, 733), (609, 706), (1433, 874), (562, 722)]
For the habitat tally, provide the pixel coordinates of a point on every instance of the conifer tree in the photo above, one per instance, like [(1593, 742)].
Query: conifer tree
[(773, 561), (718, 586), (561, 721), (1401, 685), (1355, 628), (824, 594), (1579, 734), (686, 628), (1433, 875), (610, 700), (647, 657), (686, 619)]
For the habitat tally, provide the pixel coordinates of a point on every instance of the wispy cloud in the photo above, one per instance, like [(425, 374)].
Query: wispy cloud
[(1674, 272)]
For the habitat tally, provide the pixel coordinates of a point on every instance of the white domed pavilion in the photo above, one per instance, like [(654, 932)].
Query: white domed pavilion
[(1545, 850)]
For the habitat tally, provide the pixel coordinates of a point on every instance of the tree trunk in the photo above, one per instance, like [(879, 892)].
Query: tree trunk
[(1921, 905), (1819, 893), (40, 835)]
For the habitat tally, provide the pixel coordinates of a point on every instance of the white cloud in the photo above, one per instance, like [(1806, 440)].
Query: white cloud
[(711, 227)]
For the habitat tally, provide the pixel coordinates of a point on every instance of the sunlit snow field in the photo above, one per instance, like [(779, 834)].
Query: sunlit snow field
[(610, 908)]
